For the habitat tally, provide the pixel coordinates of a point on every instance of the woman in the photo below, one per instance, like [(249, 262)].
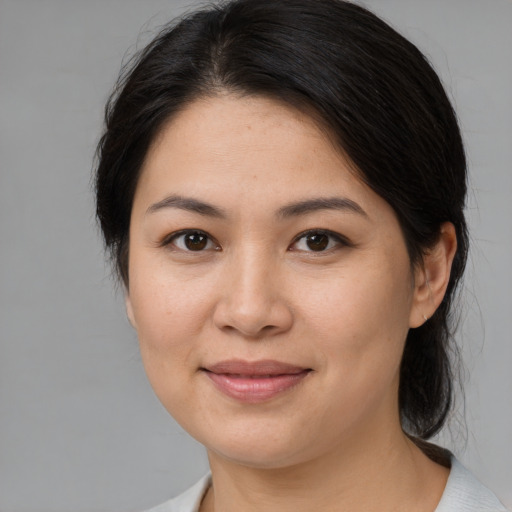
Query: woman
[(281, 185)]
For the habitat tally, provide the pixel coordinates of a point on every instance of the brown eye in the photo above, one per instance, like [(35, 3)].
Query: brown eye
[(191, 241), (195, 241), (317, 241)]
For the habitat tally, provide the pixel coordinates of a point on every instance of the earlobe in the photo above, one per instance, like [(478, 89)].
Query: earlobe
[(432, 276), (129, 309)]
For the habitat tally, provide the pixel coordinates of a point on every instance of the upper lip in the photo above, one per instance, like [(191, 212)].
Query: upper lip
[(266, 367)]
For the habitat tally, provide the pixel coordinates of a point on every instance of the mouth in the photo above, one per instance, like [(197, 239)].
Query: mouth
[(254, 382)]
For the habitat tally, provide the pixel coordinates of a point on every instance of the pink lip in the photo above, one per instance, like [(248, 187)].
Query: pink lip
[(254, 382)]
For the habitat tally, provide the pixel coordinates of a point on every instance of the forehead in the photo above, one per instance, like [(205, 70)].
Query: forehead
[(252, 135), (214, 121)]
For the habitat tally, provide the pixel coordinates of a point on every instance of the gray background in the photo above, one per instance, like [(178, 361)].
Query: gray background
[(80, 429)]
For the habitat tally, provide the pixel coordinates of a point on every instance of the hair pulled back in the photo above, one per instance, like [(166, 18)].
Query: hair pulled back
[(372, 89)]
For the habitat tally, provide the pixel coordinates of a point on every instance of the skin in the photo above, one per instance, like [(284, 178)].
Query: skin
[(258, 291)]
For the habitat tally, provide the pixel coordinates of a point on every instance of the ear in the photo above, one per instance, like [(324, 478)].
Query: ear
[(431, 277), (129, 309)]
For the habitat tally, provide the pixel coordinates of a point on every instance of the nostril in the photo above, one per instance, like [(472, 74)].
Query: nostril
[(251, 332)]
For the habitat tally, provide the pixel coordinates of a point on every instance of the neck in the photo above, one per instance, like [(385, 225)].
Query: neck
[(387, 473)]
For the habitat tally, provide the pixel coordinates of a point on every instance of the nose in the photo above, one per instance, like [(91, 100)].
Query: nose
[(252, 302)]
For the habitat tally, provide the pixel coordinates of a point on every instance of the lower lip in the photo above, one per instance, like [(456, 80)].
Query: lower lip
[(257, 389)]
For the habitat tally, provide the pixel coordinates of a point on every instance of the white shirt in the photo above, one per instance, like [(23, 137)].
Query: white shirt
[(463, 493)]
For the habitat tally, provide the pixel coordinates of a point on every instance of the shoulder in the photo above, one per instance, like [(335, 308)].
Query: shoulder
[(189, 501), (464, 493)]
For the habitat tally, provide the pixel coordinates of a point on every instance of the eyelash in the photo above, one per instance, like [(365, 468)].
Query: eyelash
[(171, 239), (339, 240), (336, 240)]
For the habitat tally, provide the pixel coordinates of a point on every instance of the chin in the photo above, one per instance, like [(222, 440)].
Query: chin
[(257, 456), (265, 447)]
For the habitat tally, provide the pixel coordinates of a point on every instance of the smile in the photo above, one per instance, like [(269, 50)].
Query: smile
[(253, 382)]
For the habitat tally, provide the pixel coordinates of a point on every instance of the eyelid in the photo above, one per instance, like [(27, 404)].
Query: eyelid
[(340, 239), (171, 237)]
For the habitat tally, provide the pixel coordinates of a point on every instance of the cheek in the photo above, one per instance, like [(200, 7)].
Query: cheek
[(361, 327), (168, 310), (169, 315), (167, 326), (361, 306)]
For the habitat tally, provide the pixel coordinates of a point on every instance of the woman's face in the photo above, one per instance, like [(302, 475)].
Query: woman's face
[(270, 288)]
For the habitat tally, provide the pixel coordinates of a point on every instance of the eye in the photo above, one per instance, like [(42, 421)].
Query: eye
[(191, 240), (318, 241)]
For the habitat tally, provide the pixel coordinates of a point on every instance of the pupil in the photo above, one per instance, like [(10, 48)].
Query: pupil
[(317, 242), (196, 241)]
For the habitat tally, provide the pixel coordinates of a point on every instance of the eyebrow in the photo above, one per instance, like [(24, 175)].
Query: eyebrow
[(189, 204), (321, 203), (289, 210)]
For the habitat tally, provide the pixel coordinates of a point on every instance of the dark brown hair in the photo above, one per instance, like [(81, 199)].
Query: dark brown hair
[(372, 88)]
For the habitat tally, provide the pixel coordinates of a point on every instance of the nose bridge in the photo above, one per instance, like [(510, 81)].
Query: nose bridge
[(251, 291), (252, 270), (252, 303)]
